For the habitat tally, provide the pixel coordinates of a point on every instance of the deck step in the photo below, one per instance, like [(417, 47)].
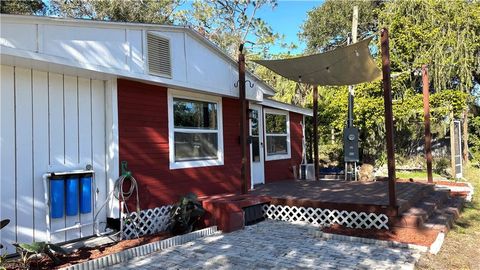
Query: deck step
[(444, 217), (423, 209), (412, 199)]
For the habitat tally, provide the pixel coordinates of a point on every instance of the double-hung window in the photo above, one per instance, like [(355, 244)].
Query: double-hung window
[(277, 134), (195, 130)]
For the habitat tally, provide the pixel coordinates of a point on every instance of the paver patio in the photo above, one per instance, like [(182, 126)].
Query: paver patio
[(274, 245)]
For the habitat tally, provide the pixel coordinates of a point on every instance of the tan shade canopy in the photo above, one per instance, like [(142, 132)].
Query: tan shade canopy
[(347, 65)]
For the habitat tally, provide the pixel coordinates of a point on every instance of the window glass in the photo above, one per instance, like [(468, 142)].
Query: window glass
[(276, 145), (195, 146), (194, 114), (276, 123), (254, 122), (255, 149)]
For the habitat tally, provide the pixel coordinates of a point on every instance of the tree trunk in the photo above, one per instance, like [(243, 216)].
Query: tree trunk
[(465, 136)]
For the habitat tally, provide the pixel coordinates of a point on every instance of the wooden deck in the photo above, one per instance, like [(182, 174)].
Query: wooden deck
[(343, 195)]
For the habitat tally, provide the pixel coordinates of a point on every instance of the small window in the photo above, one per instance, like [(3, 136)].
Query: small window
[(277, 134), (195, 130)]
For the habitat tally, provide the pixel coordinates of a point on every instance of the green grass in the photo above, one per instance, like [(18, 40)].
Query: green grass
[(417, 175), (461, 249)]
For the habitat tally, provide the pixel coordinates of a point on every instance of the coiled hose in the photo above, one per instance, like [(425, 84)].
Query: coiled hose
[(120, 194)]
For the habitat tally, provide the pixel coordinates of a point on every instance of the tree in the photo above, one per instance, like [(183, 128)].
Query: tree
[(230, 23), (27, 7), (329, 25), (139, 11), (443, 34)]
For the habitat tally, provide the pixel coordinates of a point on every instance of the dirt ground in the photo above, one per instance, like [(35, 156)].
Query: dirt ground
[(461, 249), (85, 254)]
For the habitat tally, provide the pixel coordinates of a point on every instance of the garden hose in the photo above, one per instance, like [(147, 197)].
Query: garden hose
[(123, 196)]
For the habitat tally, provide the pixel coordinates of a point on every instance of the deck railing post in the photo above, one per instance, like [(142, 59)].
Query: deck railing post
[(315, 129), (426, 115), (387, 100), (243, 118)]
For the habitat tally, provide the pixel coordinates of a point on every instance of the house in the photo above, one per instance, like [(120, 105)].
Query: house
[(81, 93)]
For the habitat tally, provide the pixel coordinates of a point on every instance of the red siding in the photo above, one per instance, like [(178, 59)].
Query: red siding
[(143, 139), (278, 170)]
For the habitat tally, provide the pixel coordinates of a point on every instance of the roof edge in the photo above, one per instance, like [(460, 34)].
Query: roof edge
[(286, 106)]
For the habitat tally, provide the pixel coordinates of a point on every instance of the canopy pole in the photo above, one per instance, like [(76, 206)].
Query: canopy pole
[(387, 100), (351, 91), (315, 129), (426, 116), (243, 118)]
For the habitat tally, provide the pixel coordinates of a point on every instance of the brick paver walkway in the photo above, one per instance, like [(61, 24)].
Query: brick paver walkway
[(274, 245)]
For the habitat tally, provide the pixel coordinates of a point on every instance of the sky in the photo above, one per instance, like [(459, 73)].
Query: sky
[(286, 18)]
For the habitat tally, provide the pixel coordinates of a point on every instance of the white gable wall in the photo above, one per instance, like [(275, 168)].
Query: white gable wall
[(52, 122), (121, 49)]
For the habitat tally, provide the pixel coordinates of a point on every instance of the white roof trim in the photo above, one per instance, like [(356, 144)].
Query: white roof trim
[(268, 90), (286, 107)]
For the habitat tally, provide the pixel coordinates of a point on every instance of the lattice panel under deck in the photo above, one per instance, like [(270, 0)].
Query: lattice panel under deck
[(150, 221), (318, 216)]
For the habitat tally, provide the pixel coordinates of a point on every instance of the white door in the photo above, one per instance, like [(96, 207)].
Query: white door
[(256, 146)]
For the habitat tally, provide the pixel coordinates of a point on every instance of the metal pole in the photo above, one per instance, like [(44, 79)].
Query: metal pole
[(315, 129), (426, 115), (243, 118), (387, 100), (452, 143), (351, 92)]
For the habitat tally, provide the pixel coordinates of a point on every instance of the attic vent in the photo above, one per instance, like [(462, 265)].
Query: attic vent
[(159, 62)]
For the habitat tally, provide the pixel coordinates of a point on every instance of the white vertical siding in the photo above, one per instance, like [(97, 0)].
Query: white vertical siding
[(49, 122), (85, 138), (40, 149), (23, 154), (98, 142), (71, 139), (8, 171)]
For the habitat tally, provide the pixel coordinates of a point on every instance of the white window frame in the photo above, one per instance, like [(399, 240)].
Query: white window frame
[(173, 93), (288, 155)]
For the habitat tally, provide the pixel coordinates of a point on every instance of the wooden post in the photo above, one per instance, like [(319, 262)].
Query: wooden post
[(243, 118), (426, 115), (315, 129), (387, 100)]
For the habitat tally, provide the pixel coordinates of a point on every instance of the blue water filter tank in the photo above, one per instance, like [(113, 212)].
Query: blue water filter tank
[(71, 207), (86, 194), (57, 197)]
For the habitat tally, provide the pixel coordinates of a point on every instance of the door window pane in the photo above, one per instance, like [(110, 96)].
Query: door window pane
[(195, 146), (254, 122), (194, 114), (255, 149)]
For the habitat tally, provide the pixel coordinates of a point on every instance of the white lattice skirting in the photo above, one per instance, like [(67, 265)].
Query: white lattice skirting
[(150, 221), (318, 216)]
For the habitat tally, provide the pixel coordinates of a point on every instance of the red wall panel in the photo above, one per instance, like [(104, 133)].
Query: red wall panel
[(143, 143), (279, 170)]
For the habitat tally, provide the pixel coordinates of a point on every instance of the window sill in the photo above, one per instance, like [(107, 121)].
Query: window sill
[(277, 157), (195, 164)]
